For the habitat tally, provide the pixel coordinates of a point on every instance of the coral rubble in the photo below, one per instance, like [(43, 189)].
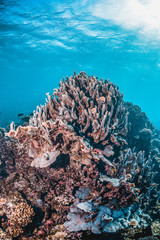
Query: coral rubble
[(72, 169)]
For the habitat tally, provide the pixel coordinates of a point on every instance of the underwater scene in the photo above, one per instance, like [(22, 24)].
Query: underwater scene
[(79, 119)]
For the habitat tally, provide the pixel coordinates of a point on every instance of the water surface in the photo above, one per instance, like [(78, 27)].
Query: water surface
[(42, 41)]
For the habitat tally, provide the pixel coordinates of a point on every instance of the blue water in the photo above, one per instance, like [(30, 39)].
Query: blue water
[(43, 40)]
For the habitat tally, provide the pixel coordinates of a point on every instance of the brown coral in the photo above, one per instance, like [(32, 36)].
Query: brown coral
[(22, 214), (15, 214), (14, 231)]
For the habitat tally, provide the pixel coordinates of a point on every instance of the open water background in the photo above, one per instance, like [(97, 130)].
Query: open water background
[(42, 41)]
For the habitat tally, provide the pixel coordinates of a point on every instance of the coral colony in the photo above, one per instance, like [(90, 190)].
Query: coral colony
[(71, 170)]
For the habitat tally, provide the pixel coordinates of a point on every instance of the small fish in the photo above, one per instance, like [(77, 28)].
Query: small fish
[(25, 118), (20, 114)]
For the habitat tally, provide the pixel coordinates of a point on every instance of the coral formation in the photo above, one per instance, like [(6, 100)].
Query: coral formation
[(120, 201), (79, 165), (93, 108), (155, 228), (16, 214), (22, 214), (139, 129)]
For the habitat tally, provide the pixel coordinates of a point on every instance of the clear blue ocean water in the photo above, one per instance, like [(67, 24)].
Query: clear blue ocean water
[(43, 40)]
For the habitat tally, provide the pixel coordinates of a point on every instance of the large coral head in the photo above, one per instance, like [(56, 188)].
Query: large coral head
[(94, 108)]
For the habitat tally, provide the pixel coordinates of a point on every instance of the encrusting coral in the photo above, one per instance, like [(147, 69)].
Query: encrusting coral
[(73, 166)]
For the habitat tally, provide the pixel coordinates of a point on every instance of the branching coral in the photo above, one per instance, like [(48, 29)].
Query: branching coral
[(14, 231), (16, 214), (94, 108), (22, 214), (46, 143)]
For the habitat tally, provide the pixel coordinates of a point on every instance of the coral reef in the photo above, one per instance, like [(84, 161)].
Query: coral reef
[(79, 165)]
